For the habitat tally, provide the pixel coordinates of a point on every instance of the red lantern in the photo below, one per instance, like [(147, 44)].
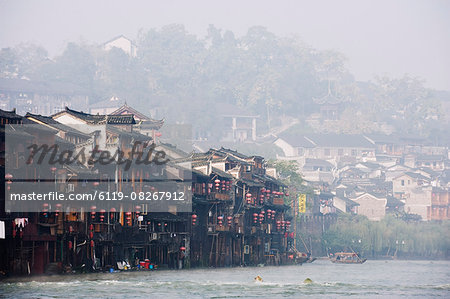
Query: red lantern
[(182, 248), (255, 217), (91, 235), (91, 227), (249, 198), (93, 212), (92, 243), (229, 218), (194, 219), (70, 245), (217, 184)]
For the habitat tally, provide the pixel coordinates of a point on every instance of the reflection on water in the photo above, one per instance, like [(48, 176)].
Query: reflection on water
[(372, 279)]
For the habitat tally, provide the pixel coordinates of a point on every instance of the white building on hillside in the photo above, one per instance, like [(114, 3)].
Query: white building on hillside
[(123, 43)]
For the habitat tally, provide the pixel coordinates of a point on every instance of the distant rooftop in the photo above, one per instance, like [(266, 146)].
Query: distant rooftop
[(327, 140), (99, 118)]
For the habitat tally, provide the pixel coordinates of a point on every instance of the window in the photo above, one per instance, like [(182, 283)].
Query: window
[(403, 182), (354, 152), (327, 152), (340, 152)]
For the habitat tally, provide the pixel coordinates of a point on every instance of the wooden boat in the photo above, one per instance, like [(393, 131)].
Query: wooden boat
[(347, 258), (298, 257)]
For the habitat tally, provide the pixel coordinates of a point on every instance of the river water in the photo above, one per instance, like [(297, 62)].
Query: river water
[(388, 279)]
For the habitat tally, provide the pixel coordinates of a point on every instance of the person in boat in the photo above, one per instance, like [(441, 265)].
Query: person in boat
[(258, 278)]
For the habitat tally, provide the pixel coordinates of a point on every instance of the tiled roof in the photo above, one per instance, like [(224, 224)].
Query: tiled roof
[(348, 201), (99, 119), (251, 183), (130, 110), (9, 114), (64, 142), (120, 119), (55, 124), (393, 202), (381, 138), (327, 140), (265, 178), (134, 135), (221, 173), (339, 140), (32, 126), (175, 150), (430, 158), (233, 152), (416, 175), (152, 124), (297, 140)]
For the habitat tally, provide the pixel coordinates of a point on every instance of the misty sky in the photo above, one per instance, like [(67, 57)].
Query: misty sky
[(378, 37)]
